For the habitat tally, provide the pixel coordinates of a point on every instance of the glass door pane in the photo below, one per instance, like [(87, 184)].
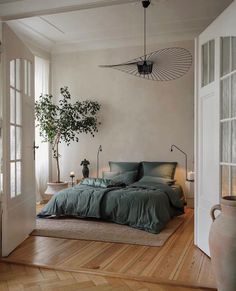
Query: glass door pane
[(225, 142), (233, 184), (15, 127), (13, 107), (233, 95), (228, 116), (225, 55), (13, 143), (13, 179), (225, 91), (18, 142), (17, 79), (18, 108), (208, 62), (12, 73), (204, 64), (211, 61), (224, 181), (233, 53), (18, 178)]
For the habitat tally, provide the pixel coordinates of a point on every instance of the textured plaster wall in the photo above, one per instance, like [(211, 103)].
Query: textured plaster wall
[(140, 118)]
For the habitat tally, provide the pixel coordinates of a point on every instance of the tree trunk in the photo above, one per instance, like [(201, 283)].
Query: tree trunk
[(58, 166)]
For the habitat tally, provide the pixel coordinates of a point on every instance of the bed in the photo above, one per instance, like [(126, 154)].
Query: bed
[(141, 195)]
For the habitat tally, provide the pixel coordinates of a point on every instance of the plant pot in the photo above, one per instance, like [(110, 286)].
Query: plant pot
[(53, 188), (222, 242)]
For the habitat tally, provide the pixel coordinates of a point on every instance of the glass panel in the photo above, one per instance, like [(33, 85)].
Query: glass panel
[(225, 55), (204, 64), (211, 61), (29, 79), (12, 101), (18, 74), (225, 142), (233, 142), (18, 143), (13, 142), (224, 181), (18, 109), (13, 180), (12, 73), (233, 53), (225, 91), (233, 181), (18, 178), (233, 96), (26, 77)]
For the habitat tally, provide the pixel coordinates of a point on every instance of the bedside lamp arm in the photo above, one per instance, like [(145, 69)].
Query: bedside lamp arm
[(186, 161)]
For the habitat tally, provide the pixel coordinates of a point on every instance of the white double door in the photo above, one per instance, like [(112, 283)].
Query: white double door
[(18, 203), (215, 123)]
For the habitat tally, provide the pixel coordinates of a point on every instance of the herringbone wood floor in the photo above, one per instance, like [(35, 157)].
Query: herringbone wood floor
[(24, 278), (177, 262)]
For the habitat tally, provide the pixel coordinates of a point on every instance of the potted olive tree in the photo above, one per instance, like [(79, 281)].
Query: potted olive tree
[(63, 122)]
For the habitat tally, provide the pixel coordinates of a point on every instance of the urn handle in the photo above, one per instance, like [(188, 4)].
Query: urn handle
[(213, 209)]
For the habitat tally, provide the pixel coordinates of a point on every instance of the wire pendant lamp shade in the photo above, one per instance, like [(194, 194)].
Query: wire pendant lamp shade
[(162, 65)]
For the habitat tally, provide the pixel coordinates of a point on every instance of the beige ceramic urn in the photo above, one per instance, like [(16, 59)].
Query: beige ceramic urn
[(222, 241)]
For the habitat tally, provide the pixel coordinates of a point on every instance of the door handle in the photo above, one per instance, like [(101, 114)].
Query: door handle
[(34, 148)]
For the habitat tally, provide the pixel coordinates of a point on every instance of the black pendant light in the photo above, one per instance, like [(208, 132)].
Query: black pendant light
[(145, 67), (161, 65)]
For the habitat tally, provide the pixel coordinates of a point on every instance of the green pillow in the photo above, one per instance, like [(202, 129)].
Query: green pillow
[(126, 178), (123, 166), (159, 169), (156, 180), (102, 183)]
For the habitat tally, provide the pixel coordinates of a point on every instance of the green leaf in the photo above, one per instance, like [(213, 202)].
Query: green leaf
[(65, 121)]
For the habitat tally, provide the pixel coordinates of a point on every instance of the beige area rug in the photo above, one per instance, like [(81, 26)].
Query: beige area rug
[(94, 230)]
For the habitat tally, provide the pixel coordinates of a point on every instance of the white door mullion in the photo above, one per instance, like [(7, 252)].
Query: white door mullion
[(230, 122)]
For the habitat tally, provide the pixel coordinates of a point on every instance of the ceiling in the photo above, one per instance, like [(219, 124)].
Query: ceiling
[(60, 25)]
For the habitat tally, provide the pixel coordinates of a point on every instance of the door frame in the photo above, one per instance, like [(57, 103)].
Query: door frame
[(224, 25), (196, 135), (1, 125)]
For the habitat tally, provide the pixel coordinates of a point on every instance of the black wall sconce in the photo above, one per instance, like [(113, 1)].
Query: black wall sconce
[(99, 150), (186, 161)]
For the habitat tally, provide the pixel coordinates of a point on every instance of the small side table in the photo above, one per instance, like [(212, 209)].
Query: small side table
[(190, 193)]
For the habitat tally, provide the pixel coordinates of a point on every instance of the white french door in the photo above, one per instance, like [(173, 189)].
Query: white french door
[(215, 123), (18, 217)]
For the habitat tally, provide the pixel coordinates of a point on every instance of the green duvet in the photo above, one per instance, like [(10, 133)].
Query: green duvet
[(144, 206)]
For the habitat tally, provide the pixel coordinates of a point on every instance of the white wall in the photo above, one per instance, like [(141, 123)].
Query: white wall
[(140, 118)]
